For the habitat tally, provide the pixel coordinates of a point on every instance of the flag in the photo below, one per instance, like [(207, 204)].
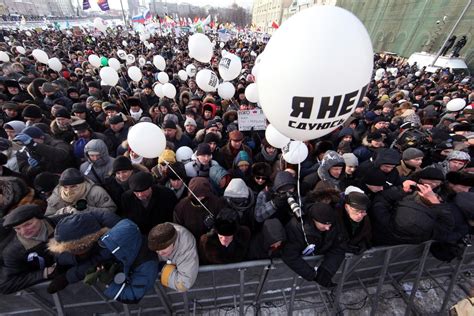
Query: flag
[(138, 19), (275, 25), (207, 20), (103, 4), (147, 15), (86, 5)]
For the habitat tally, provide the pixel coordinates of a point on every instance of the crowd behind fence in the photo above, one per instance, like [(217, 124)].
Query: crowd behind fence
[(247, 287)]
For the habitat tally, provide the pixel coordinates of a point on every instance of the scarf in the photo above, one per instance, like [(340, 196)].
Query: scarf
[(267, 156), (46, 231), (72, 196)]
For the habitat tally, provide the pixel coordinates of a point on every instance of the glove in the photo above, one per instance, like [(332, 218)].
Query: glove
[(23, 139), (279, 202), (323, 278), (81, 205), (33, 162), (60, 282)]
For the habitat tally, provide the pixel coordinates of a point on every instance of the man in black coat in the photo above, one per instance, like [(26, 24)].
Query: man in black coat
[(386, 160), (147, 204), (26, 259), (323, 237)]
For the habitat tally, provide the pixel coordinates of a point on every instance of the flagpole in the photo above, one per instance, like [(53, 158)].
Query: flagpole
[(123, 14)]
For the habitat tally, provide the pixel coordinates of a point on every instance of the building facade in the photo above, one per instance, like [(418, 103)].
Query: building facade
[(404, 26), (265, 12), (61, 8)]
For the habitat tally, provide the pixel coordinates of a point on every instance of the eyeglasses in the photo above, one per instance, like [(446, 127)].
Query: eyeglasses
[(260, 178)]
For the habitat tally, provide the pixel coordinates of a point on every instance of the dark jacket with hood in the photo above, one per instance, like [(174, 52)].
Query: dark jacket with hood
[(159, 209), (140, 265), (260, 245), (99, 170), (331, 159), (211, 250), (384, 156), (190, 213), (241, 199), (216, 173)]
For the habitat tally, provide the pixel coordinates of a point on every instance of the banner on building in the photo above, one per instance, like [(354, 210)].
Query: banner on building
[(103, 5), (251, 120), (86, 5)]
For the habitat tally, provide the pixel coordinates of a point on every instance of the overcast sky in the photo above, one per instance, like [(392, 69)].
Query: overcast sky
[(115, 4)]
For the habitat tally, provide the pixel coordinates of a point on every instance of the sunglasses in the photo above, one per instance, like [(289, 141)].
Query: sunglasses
[(260, 178)]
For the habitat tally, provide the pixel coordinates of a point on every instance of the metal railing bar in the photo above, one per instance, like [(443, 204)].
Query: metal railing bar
[(375, 302), (163, 298), (104, 299), (58, 304), (31, 296), (292, 297)]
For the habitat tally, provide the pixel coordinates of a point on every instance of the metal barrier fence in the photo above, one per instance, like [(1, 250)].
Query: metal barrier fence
[(252, 284)]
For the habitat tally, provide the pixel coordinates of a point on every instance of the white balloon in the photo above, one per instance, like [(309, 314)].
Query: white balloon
[(21, 50), (135, 73), (109, 76), (4, 58), (297, 54), (124, 43), (94, 60), (456, 105), (380, 72), (221, 45), (114, 63), (184, 154), (393, 71), (121, 54), (377, 78), (183, 75), (275, 138), (146, 139), (191, 70), (141, 61), (207, 80), (159, 62), (251, 93), (226, 90), (158, 88), (28, 33), (169, 90), (130, 59), (230, 67), (100, 25), (163, 77), (200, 47), (55, 64), (418, 73), (295, 152), (40, 56)]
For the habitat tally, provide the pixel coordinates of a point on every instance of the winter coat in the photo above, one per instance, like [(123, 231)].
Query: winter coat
[(140, 264), (79, 265), (191, 214), (96, 197), (79, 144), (181, 139), (357, 236), (116, 138), (216, 173), (364, 152), (67, 135), (99, 170), (384, 156), (229, 154), (327, 243), (24, 262), (455, 154), (53, 155), (195, 169), (331, 159), (238, 190), (211, 251), (159, 209), (49, 101), (405, 171), (272, 232), (181, 269)]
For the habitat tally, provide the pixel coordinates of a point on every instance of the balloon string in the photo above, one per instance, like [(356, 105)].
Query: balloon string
[(299, 202), (190, 191), (123, 100)]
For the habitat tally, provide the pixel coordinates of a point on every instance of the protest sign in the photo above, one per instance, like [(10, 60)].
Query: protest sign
[(251, 120)]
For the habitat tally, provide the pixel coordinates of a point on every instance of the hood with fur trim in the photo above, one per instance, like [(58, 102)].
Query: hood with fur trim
[(78, 245), (330, 159), (13, 190)]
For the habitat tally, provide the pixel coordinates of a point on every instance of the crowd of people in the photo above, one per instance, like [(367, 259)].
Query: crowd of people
[(77, 204)]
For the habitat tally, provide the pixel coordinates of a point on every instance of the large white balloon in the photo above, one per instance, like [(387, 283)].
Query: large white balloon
[(55, 64), (200, 47), (146, 139), (183, 75), (300, 87), (114, 63), (94, 60), (251, 93), (141, 61), (191, 70), (4, 58), (169, 90), (275, 138), (122, 54), (135, 73), (28, 33), (230, 67), (130, 59), (207, 80), (380, 72), (295, 152), (226, 90), (163, 77), (159, 62), (158, 88), (21, 50), (109, 76), (100, 25), (456, 105), (184, 154), (40, 56)]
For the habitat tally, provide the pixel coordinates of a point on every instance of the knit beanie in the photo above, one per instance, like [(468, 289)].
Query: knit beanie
[(71, 176), (190, 121), (46, 181), (121, 163), (203, 149), (167, 155), (350, 159), (322, 213), (375, 177), (140, 181), (226, 223), (33, 111), (162, 236), (211, 138), (33, 132), (412, 153)]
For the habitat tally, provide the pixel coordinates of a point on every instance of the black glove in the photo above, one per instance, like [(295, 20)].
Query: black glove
[(279, 201), (323, 277), (58, 283)]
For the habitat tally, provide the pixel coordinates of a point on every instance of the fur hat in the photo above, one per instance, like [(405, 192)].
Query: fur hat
[(226, 223), (322, 213), (162, 236)]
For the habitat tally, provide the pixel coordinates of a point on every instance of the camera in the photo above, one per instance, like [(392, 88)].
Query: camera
[(209, 221), (295, 207)]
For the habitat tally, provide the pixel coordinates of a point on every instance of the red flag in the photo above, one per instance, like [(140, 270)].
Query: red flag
[(275, 25)]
